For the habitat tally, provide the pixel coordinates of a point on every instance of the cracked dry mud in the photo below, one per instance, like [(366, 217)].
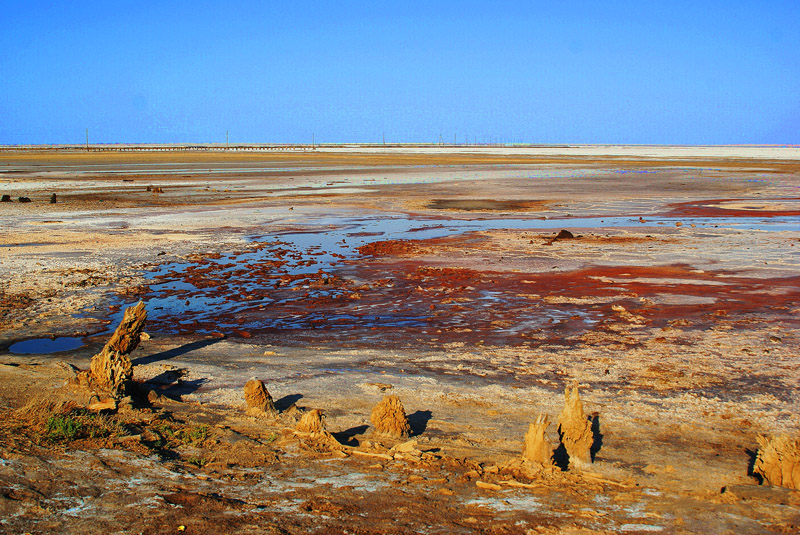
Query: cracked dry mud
[(340, 279)]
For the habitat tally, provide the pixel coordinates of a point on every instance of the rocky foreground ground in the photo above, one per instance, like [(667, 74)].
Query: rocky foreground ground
[(671, 300)]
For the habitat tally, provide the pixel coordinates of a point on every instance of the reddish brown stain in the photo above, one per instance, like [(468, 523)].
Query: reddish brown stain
[(712, 208)]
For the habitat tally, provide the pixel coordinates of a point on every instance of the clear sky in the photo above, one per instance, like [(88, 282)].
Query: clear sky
[(643, 71)]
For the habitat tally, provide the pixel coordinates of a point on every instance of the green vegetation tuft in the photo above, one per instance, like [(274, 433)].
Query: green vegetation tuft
[(199, 462), (78, 423), (195, 435), (62, 428)]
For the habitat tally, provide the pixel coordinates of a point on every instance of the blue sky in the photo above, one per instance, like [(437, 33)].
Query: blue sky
[(679, 72)]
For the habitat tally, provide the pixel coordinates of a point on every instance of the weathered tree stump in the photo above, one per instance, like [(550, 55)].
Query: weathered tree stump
[(111, 369)]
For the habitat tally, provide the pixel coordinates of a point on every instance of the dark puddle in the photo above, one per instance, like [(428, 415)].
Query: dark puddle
[(43, 346), (28, 244)]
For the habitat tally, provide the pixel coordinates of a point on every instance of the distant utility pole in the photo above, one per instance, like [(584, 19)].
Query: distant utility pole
[(441, 140), (384, 139), (227, 145), (87, 139), (455, 140), (313, 140)]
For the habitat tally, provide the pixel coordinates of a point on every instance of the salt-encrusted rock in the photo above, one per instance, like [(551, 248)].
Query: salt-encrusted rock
[(575, 429), (778, 461), (312, 422), (389, 418), (537, 449), (258, 399)]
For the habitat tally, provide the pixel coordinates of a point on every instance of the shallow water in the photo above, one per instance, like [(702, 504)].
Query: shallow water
[(42, 346), (280, 282)]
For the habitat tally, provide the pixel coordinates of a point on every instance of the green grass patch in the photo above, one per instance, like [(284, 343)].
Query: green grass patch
[(79, 423), (199, 462), (195, 436), (62, 428)]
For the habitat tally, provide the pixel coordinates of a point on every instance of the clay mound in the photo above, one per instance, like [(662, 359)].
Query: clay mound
[(315, 436), (778, 461), (312, 422), (258, 399), (536, 448), (575, 429), (389, 418), (111, 368)]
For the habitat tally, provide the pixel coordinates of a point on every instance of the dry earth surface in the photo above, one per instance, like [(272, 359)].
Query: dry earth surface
[(340, 277)]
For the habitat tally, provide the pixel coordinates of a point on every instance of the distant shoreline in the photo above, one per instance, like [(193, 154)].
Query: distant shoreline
[(760, 152)]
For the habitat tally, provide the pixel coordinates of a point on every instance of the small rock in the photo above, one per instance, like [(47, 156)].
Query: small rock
[(407, 447), (108, 404), (383, 387), (258, 398), (153, 396), (5, 198), (53, 199), (565, 235), (488, 486), (24, 199)]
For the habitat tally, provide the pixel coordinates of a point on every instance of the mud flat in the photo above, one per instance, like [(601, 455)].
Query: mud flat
[(440, 277)]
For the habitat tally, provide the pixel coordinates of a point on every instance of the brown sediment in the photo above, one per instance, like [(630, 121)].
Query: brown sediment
[(575, 429), (389, 418), (469, 205), (717, 208), (389, 248), (778, 461), (289, 158)]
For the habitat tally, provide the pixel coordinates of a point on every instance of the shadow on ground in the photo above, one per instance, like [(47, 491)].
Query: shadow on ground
[(175, 352)]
